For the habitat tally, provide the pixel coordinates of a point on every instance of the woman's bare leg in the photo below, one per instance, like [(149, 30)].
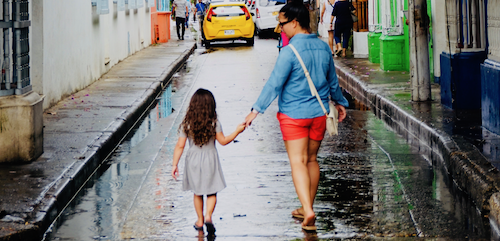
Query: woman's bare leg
[(298, 155), (313, 167), (314, 173), (198, 206)]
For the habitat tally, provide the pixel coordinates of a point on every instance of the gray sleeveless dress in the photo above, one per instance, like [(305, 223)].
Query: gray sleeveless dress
[(202, 171)]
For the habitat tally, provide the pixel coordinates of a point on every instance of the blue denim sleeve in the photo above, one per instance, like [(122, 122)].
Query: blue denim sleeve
[(276, 81), (335, 91)]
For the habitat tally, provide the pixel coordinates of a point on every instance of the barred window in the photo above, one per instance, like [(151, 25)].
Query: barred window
[(466, 23)]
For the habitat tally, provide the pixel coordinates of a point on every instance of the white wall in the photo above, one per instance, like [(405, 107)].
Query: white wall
[(70, 43)]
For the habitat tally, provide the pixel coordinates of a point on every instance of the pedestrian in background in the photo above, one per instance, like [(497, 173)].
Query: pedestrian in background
[(202, 169), (326, 13), (188, 13), (343, 24), (181, 13), (200, 12), (302, 120)]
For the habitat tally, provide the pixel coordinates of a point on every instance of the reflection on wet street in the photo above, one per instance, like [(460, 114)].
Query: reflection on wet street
[(373, 183)]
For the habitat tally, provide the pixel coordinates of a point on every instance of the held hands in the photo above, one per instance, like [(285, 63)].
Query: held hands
[(241, 127)]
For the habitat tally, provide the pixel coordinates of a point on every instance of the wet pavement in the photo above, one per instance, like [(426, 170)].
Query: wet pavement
[(374, 184), (79, 132)]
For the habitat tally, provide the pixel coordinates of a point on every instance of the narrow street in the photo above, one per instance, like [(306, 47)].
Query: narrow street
[(373, 183)]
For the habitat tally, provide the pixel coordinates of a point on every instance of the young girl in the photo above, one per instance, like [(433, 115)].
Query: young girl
[(202, 171)]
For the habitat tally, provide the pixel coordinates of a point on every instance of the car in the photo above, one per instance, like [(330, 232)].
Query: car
[(228, 20), (265, 13)]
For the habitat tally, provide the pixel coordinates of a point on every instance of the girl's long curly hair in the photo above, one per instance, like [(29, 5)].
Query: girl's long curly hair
[(199, 122)]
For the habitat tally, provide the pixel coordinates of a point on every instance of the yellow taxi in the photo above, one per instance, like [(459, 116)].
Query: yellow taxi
[(228, 21)]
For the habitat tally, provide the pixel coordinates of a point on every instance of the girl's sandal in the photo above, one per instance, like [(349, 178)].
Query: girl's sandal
[(210, 227), (199, 228)]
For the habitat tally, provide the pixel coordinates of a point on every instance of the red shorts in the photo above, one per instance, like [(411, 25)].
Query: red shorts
[(294, 129)]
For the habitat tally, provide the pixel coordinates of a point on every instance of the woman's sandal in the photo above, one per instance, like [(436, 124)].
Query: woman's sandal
[(312, 228), (296, 214), (309, 228)]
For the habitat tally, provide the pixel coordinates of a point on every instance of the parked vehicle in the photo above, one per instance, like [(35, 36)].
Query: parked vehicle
[(265, 13), (228, 20)]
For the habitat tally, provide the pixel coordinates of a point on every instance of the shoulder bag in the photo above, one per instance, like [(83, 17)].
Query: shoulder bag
[(332, 117)]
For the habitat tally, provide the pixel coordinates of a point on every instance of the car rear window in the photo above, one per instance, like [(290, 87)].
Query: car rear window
[(228, 11), (265, 3)]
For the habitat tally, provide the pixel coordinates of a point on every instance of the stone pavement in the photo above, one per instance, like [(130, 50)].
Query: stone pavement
[(79, 132), (453, 140)]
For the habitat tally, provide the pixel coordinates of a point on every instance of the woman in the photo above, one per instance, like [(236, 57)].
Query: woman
[(343, 24), (301, 118), (326, 11)]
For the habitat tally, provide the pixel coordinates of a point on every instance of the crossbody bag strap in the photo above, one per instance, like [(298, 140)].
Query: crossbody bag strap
[(314, 92)]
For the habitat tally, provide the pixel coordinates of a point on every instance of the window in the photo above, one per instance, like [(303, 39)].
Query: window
[(466, 19), (132, 4), (102, 6)]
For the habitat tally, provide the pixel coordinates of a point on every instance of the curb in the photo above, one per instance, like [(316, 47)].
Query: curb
[(468, 169), (61, 192)]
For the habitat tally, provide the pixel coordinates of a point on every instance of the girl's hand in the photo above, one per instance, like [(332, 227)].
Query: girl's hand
[(175, 172), (241, 127)]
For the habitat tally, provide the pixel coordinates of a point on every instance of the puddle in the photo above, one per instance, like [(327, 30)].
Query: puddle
[(98, 211)]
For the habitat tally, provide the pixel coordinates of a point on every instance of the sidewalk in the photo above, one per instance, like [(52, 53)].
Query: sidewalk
[(79, 132), (450, 140)]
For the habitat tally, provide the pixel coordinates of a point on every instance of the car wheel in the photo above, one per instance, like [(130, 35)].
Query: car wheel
[(250, 41), (207, 44)]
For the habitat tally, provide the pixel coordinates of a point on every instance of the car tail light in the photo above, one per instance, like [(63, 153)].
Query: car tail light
[(245, 10), (257, 13), (210, 14)]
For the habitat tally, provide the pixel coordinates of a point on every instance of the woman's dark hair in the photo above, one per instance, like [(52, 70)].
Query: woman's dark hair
[(298, 11), (200, 119)]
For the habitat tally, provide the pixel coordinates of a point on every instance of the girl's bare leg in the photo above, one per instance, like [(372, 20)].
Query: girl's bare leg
[(298, 155), (211, 201), (198, 206)]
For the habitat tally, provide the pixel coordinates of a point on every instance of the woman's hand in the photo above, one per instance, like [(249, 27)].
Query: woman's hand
[(250, 117), (175, 172), (342, 112)]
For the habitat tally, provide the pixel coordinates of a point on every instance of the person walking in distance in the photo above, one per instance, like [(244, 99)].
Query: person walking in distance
[(202, 170), (302, 120), (200, 13), (326, 13), (181, 13), (343, 24)]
